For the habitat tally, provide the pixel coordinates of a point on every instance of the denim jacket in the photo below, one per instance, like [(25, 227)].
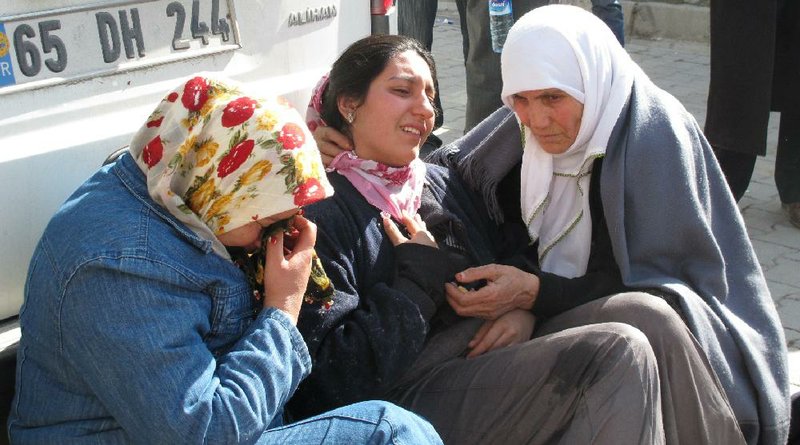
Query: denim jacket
[(134, 330)]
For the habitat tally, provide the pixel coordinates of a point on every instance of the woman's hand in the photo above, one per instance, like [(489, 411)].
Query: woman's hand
[(415, 227), (286, 274), (330, 143), (507, 288), (511, 328)]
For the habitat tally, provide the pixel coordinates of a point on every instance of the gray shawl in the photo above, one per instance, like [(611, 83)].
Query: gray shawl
[(674, 226)]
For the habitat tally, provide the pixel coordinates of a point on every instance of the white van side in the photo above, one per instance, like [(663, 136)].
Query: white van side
[(77, 78)]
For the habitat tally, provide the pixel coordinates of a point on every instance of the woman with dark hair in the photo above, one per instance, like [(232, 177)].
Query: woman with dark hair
[(394, 233)]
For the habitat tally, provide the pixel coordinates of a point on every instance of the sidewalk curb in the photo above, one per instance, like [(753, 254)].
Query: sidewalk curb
[(647, 19)]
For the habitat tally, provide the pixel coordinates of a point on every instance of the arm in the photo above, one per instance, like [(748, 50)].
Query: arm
[(602, 278), (377, 324), (156, 376), (525, 285)]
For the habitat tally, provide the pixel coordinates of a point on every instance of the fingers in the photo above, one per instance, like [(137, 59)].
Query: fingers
[(489, 272), (286, 276), (460, 300), (391, 230), (470, 303), (496, 337), (274, 255), (307, 235), (418, 230), (414, 223), (339, 139), (330, 143), (480, 334), (415, 227)]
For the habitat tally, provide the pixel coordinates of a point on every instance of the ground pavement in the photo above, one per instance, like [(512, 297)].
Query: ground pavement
[(681, 68)]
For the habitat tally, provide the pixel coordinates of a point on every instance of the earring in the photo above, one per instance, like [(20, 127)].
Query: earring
[(350, 117)]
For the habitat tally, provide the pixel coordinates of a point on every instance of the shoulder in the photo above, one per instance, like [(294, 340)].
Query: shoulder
[(444, 179), (654, 110), (346, 222), (655, 129), (104, 226), (345, 206)]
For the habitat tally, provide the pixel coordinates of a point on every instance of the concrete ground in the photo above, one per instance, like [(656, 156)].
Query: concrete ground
[(681, 68)]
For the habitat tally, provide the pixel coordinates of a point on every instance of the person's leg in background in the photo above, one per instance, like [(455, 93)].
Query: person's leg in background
[(415, 18), (787, 164), (372, 422), (742, 42), (785, 97), (738, 169), (482, 64), (610, 12)]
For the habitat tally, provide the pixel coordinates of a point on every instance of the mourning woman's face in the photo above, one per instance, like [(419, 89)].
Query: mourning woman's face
[(553, 116)]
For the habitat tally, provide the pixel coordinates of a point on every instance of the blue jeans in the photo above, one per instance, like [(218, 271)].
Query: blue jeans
[(372, 422)]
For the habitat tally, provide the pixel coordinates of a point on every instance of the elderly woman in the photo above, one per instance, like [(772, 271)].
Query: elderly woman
[(138, 326), (628, 217), (396, 231)]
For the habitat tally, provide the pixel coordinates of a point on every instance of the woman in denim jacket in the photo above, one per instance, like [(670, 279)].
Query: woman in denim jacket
[(138, 326)]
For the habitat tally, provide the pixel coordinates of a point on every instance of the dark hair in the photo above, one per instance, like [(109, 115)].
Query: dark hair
[(359, 65)]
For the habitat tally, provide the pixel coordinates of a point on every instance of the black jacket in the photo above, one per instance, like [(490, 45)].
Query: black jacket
[(755, 67)]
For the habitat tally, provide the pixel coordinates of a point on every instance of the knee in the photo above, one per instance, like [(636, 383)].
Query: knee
[(612, 352), (397, 424), (623, 343), (648, 313)]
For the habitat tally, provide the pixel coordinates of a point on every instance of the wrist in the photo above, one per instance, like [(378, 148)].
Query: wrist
[(288, 313), (529, 292)]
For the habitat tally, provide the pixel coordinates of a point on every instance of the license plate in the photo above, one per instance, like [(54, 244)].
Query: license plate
[(68, 44)]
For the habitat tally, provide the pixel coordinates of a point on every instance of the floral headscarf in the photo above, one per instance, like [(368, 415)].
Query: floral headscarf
[(218, 159)]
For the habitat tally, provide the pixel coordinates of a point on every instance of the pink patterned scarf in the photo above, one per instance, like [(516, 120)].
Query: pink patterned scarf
[(396, 190)]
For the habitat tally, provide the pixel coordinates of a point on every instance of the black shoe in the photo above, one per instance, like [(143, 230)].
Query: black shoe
[(793, 209)]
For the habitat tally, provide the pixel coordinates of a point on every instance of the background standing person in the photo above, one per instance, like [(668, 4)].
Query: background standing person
[(755, 68), (138, 326)]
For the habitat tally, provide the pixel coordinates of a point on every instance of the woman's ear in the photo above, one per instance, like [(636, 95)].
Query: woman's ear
[(347, 106)]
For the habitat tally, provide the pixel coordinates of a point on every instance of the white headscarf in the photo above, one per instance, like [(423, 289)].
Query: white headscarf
[(567, 48)]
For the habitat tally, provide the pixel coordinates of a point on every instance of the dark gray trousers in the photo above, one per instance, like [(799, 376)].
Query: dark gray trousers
[(590, 384), (620, 370), (694, 406)]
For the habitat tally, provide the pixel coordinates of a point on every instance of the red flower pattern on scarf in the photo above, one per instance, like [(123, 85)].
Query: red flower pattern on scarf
[(292, 136), (155, 122), (309, 192), (153, 151), (237, 111), (195, 94), (235, 158)]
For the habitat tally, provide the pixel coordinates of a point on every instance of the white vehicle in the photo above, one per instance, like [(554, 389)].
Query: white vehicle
[(78, 77)]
